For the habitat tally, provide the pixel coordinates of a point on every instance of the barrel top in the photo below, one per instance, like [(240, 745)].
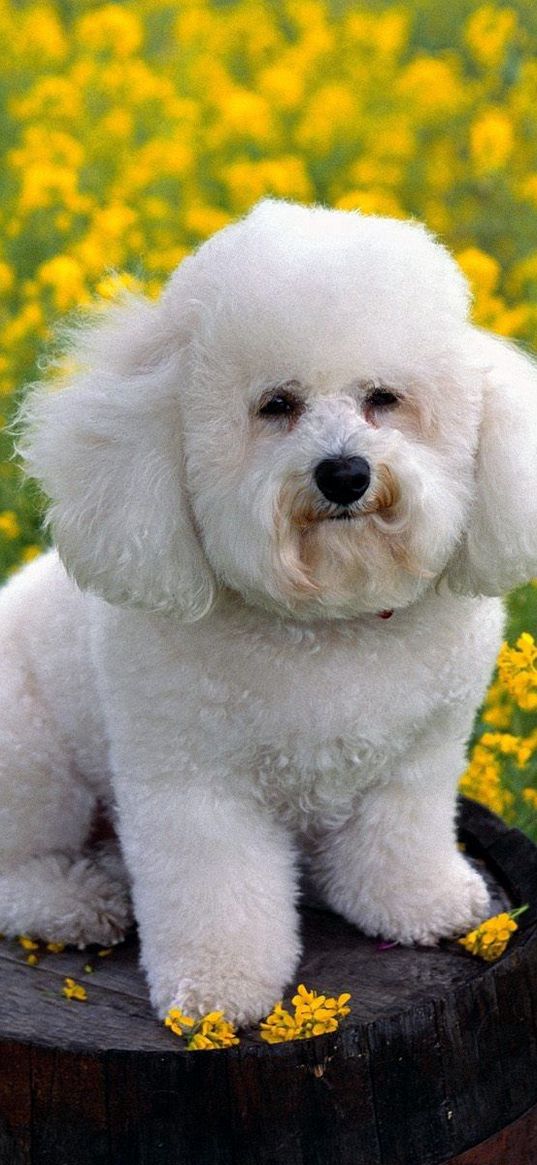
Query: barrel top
[(383, 982)]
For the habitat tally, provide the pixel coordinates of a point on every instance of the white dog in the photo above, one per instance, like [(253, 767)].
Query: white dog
[(304, 436)]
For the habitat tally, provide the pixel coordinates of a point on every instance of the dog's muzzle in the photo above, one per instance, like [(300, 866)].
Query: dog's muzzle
[(342, 480)]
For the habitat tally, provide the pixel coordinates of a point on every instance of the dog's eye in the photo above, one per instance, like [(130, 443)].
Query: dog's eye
[(281, 404), (381, 398)]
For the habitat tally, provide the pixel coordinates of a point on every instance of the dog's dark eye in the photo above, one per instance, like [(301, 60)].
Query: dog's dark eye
[(381, 398), (281, 404)]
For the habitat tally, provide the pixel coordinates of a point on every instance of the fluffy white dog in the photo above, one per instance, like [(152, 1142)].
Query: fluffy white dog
[(304, 436)]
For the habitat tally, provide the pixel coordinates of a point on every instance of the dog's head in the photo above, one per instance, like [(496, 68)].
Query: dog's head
[(306, 416)]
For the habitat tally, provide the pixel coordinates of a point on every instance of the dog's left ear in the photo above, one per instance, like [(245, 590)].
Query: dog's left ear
[(499, 547), (108, 450)]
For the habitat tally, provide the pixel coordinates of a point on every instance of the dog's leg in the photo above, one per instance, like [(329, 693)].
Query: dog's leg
[(394, 869), (72, 899), (214, 886), (48, 887)]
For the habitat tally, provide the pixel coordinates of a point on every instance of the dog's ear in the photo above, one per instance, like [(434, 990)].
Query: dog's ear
[(499, 547), (107, 451)]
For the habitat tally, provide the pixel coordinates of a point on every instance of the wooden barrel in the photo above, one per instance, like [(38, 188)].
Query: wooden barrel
[(437, 1061)]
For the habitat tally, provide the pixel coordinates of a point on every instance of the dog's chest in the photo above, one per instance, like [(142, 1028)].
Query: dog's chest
[(307, 724), (311, 780), (308, 717), (306, 697)]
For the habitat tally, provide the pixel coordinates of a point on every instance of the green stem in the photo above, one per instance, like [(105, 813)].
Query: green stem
[(519, 910)]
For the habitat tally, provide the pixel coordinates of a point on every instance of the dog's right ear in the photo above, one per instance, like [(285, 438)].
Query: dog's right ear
[(107, 451), (499, 548)]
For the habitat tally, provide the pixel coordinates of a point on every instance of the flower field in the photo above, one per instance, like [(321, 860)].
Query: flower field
[(132, 131)]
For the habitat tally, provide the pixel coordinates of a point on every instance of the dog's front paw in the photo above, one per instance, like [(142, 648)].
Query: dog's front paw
[(76, 901), (243, 1000), (445, 904), (243, 986), (100, 911), (453, 908)]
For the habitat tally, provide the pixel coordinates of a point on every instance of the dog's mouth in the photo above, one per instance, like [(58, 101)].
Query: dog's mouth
[(345, 516)]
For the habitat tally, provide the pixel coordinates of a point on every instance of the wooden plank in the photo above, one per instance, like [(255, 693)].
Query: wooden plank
[(117, 1012), (409, 1087), (69, 1120), (15, 1105), (469, 1039), (514, 1145)]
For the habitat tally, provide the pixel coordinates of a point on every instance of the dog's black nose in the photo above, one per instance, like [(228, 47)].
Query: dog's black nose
[(343, 479)]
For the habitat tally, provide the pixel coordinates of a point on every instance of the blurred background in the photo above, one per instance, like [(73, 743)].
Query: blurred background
[(132, 131)]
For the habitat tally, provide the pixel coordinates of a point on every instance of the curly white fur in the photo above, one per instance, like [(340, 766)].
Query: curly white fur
[(218, 672)]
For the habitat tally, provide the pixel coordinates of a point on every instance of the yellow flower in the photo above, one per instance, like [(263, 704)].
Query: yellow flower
[(315, 1015), (6, 277), (210, 1032), (284, 176), (112, 287), (112, 28), (385, 32), (73, 990), (482, 781), (9, 525), (28, 943), (163, 261), (177, 1022), (490, 939), (283, 83), (65, 276), (371, 202), (328, 114), (48, 145), (491, 140), (530, 797), (488, 32), (433, 84), (518, 671), (41, 34), (32, 960), (389, 31), (509, 745), (498, 709), (50, 97), (279, 1026), (528, 191), (482, 270), (118, 123), (213, 1031), (205, 220), (106, 242), (166, 157), (242, 113), (376, 172), (29, 319), (55, 948), (46, 184), (490, 310), (29, 553), (523, 275), (317, 34)]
